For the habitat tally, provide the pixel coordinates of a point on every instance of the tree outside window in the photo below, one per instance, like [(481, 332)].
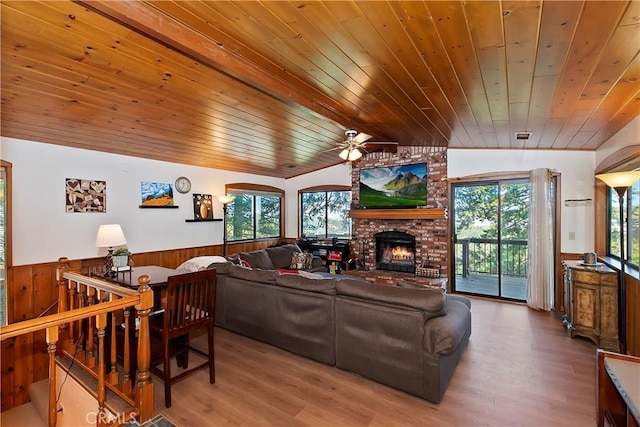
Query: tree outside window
[(325, 214), (254, 216)]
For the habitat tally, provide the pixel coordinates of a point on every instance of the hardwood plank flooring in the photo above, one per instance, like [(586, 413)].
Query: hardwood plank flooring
[(520, 368)]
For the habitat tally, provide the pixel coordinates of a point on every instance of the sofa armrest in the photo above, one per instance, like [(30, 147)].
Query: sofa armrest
[(443, 334)]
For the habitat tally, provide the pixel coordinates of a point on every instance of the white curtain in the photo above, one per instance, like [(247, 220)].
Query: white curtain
[(540, 240)]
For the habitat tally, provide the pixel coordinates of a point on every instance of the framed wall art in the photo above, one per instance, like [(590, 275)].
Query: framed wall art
[(85, 195), (202, 207), (156, 195)]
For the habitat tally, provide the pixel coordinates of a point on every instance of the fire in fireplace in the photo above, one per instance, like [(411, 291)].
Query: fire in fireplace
[(395, 251)]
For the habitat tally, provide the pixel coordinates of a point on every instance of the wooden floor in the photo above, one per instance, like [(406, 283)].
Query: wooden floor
[(520, 368)]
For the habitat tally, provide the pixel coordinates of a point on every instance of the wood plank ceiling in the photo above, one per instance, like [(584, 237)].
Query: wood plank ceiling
[(270, 87)]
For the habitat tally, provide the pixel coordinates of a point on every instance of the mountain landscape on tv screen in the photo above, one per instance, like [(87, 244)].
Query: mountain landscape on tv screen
[(393, 187)]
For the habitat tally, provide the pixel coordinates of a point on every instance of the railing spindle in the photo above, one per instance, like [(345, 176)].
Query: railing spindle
[(101, 322), (72, 306), (126, 381), (51, 337), (91, 360)]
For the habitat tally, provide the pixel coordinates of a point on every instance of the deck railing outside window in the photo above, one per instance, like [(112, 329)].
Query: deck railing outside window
[(480, 256)]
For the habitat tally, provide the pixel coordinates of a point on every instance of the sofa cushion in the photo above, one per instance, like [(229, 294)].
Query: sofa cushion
[(296, 281), (253, 274), (281, 255), (430, 301), (258, 259), (301, 261)]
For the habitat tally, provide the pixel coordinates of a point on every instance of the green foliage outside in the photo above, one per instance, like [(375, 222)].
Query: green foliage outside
[(247, 220), (476, 227), (325, 214), (632, 228)]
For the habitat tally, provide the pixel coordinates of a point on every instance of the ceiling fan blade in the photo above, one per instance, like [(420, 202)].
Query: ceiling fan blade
[(361, 137), (381, 145)]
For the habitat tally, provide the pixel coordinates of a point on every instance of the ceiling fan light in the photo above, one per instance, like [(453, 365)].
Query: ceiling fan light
[(350, 154)]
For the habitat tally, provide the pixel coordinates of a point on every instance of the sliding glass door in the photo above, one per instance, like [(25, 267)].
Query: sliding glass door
[(490, 238)]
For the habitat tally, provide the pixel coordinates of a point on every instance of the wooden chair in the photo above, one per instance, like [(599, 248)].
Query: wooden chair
[(190, 304)]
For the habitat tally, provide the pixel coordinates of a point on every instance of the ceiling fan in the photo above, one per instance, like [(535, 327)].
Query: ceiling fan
[(356, 142)]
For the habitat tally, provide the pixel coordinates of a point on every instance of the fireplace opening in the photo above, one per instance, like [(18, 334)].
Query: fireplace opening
[(395, 251)]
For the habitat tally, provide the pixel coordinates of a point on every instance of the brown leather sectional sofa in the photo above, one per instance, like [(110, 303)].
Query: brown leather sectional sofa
[(408, 339)]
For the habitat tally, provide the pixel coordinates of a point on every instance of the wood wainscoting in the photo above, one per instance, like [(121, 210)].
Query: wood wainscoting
[(31, 290)]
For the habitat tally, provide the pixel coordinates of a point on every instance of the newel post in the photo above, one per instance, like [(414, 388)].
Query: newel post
[(61, 268), (144, 386)]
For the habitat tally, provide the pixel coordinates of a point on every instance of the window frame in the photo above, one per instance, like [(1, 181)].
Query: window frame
[(320, 189), (612, 197), (256, 190), (625, 159), (8, 246)]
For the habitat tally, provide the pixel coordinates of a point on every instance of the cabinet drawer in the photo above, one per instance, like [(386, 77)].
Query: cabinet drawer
[(593, 278)]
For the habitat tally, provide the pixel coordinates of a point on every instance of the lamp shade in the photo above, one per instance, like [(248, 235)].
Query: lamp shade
[(225, 199), (110, 235), (619, 179), (350, 154)]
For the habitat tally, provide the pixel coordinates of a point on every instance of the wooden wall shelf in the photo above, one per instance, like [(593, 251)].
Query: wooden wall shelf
[(428, 213)]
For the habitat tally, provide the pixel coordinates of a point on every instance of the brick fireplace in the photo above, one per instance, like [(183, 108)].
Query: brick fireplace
[(395, 251), (430, 234)]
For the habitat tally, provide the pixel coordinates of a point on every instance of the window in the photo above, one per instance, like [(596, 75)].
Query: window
[(254, 214), (5, 236), (325, 213), (631, 224)]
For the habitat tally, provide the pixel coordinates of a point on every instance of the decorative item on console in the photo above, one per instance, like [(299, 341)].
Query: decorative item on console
[(590, 258)]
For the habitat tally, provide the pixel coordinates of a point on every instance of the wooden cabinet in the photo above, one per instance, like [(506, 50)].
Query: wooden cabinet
[(591, 303)]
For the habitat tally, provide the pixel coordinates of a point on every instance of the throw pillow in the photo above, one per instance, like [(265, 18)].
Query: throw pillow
[(258, 259), (301, 261), (200, 263)]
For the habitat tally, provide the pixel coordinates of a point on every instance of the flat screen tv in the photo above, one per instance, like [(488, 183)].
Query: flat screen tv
[(393, 186)]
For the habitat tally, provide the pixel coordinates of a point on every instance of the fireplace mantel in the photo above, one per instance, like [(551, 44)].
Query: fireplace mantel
[(424, 213)]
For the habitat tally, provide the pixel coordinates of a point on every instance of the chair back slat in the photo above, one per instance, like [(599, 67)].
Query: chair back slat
[(190, 301)]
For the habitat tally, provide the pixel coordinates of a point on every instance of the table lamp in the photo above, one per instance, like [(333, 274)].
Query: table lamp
[(110, 235)]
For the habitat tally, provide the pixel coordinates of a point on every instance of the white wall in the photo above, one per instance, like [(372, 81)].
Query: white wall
[(628, 135), (577, 182), (335, 175), (43, 231)]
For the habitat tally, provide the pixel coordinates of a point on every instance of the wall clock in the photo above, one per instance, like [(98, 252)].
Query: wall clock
[(183, 185)]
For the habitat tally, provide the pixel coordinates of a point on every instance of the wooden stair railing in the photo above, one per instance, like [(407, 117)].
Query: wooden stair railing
[(85, 303)]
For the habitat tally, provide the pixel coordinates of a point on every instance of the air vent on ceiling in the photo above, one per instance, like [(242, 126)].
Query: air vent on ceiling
[(523, 136)]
